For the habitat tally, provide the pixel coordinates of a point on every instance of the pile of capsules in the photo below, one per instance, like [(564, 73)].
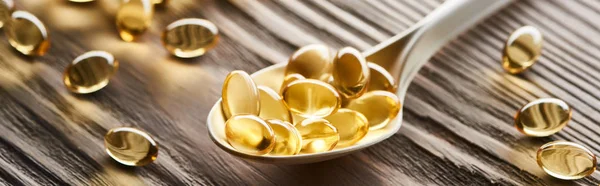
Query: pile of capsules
[(546, 116), (326, 101)]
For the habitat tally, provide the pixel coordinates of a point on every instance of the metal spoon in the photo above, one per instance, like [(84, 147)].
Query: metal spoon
[(402, 55)]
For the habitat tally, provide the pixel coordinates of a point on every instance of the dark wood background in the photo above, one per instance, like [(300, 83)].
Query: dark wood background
[(458, 114)]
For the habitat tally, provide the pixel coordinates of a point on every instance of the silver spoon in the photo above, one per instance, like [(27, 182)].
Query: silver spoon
[(402, 55)]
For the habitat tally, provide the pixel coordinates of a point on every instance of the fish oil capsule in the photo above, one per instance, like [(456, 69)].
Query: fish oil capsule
[(543, 117), (318, 135), (351, 126), (566, 160), (130, 146), (90, 72), (287, 139), (134, 18), (311, 61), (6, 6), (27, 34), (350, 72), (272, 105), (187, 38), (311, 98), (380, 79), (240, 95), (522, 49), (249, 134), (288, 79), (379, 107)]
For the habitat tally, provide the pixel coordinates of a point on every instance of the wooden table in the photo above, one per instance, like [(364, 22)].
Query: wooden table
[(458, 126)]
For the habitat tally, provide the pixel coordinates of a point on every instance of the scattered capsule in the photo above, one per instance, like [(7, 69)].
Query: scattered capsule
[(240, 95), (351, 126), (350, 72), (134, 18), (380, 79), (543, 117), (379, 107), (130, 146), (90, 72), (311, 98), (311, 61), (566, 160), (272, 105), (522, 49), (318, 135), (6, 7), (27, 34), (288, 79), (191, 37), (287, 139), (249, 134)]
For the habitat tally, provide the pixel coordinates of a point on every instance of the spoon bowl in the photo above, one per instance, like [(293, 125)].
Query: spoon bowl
[(402, 55)]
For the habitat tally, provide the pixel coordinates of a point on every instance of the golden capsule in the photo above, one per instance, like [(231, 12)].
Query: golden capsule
[(379, 107), (6, 7), (240, 95), (288, 79), (351, 125), (90, 72), (134, 18), (249, 134), (311, 61), (27, 34), (130, 146), (272, 105), (287, 139), (522, 49), (318, 135), (161, 3), (311, 98), (191, 37), (566, 160), (543, 117), (380, 79), (350, 72)]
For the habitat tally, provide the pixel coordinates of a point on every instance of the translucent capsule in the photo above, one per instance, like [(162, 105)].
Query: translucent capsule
[(6, 6), (272, 105), (287, 139), (249, 134), (134, 18), (311, 61), (380, 79), (240, 95), (350, 73), (288, 79), (351, 126), (27, 34), (522, 49), (379, 107), (90, 72), (543, 117), (130, 146), (311, 98), (566, 160), (187, 38), (318, 135)]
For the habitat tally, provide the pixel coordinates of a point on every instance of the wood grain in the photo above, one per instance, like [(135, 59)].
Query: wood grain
[(458, 114)]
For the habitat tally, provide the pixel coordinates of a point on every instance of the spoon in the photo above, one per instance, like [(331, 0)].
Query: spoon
[(402, 55)]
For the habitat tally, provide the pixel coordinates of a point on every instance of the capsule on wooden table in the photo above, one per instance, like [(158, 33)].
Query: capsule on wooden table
[(27, 34), (318, 135), (130, 146), (134, 17), (311, 98), (287, 139), (249, 134), (350, 73), (380, 79), (566, 160), (311, 61), (6, 7), (240, 95), (272, 105), (90, 72), (543, 117), (379, 107), (191, 37), (522, 49)]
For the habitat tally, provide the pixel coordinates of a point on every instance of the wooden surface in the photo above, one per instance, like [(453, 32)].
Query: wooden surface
[(458, 114)]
